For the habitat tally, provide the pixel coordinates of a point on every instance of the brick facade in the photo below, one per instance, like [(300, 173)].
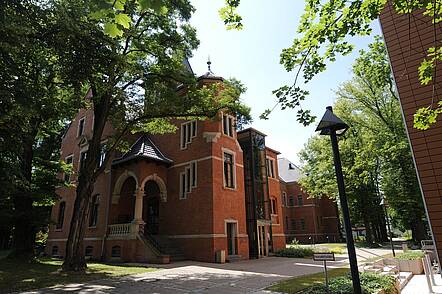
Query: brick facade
[(407, 38), (178, 195), (307, 220)]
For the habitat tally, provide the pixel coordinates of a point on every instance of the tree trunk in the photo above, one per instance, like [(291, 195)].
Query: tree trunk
[(24, 230), (418, 231), (74, 256)]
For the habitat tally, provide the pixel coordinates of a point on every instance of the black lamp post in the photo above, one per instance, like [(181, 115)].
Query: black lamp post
[(332, 125)]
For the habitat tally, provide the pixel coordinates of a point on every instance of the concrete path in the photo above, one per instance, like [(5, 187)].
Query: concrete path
[(248, 276), (418, 285)]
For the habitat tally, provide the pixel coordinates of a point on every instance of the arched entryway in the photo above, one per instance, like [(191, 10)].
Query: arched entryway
[(151, 207), (125, 208)]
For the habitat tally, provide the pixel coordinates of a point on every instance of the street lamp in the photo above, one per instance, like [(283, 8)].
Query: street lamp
[(332, 125)]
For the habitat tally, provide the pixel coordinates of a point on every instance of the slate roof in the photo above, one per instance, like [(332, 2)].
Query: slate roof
[(143, 148), (288, 171)]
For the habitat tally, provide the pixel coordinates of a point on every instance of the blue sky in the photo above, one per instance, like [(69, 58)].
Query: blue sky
[(252, 56)]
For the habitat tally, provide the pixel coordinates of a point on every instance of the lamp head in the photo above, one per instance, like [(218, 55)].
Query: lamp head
[(331, 122)]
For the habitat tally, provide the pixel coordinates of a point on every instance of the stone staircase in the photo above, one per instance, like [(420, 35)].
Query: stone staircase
[(162, 247)]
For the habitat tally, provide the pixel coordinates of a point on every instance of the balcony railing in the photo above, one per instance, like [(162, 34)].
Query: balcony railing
[(123, 230)]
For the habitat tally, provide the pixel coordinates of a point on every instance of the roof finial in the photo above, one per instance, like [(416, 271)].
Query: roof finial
[(208, 64)]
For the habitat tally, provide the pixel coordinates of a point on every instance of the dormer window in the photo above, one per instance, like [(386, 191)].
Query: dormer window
[(81, 123), (188, 132), (228, 122)]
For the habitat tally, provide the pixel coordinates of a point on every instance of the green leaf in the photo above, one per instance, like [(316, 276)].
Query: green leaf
[(123, 19), (112, 30)]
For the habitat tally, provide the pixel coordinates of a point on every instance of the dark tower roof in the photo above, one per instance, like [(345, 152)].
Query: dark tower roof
[(143, 148)]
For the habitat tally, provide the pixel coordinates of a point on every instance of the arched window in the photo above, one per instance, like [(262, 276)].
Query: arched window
[(89, 251), (116, 251), (54, 251), (93, 217), (60, 219)]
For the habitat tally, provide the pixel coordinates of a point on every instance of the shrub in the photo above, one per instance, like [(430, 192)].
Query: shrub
[(411, 255), (371, 283), (295, 252)]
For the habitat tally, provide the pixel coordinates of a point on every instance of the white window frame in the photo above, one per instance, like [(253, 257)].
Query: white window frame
[(72, 163), (190, 178), (188, 131), (228, 151), (284, 199), (230, 132), (270, 163), (183, 193), (83, 150), (78, 126)]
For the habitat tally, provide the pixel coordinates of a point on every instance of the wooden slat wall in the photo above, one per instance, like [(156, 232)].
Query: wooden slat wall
[(407, 38)]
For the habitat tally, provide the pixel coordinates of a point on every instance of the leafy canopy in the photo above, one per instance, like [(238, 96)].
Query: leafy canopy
[(324, 28)]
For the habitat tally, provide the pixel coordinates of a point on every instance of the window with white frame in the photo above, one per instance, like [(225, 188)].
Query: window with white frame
[(270, 167), (284, 198), (188, 132), (81, 124), (93, 216), (188, 179), (67, 175), (273, 206), (83, 155), (229, 170), (228, 125), (102, 155)]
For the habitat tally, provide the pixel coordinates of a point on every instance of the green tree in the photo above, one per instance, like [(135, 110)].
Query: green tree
[(376, 156), (34, 104), (129, 55), (324, 28)]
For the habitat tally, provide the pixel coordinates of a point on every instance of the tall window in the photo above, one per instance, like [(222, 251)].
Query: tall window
[(291, 200), (284, 198), (83, 155), (102, 155), (270, 167), (188, 179), (67, 175), (60, 219), (300, 200), (228, 125), (188, 131), (273, 204), (93, 217), (81, 123), (302, 222), (229, 180)]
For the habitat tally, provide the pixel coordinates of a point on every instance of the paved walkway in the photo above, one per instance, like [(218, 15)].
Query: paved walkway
[(249, 276), (418, 285)]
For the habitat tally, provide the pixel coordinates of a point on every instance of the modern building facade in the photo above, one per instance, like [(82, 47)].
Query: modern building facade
[(307, 220), (408, 38)]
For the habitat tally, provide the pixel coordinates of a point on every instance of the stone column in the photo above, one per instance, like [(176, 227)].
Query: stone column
[(138, 216)]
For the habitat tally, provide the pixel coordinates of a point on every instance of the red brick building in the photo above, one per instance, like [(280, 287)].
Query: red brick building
[(180, 195), (408, 38), (308, 220)]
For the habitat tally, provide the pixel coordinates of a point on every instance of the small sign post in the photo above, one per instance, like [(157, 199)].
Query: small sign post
[(326, 256)]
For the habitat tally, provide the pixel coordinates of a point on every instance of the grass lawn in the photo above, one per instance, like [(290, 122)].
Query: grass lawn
[(294, 285), (18, 275), (337, 248)]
